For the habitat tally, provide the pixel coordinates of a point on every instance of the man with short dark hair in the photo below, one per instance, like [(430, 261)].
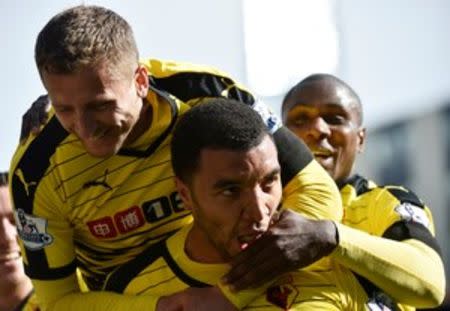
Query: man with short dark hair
[(227, 173)]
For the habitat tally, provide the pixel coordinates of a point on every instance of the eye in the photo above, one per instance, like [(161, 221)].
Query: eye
[(335, 119), (102, 106), (270, 182), (61, 109), (299, 119), (231, 191)]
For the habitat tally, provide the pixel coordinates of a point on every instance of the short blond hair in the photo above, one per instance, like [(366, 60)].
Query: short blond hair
[(86, 36)]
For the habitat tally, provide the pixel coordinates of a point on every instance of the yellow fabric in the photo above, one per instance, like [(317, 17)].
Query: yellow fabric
[(410, 271), (335, 289), (31, 304), (314, 189), (74, 210)]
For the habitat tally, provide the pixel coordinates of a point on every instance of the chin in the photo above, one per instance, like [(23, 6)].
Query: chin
[(102, 153), (102, 150)]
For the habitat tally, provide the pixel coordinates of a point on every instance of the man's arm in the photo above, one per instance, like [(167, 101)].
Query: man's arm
[(409, 271)]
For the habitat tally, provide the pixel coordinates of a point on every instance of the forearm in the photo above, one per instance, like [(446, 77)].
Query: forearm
[(60, 295), (395, 267), (103, 301)]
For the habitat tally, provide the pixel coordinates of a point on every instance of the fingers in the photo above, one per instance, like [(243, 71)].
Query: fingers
[(257, 270), (239, 262), (25, 128), (36, 116), (43, 104), (242, 273)]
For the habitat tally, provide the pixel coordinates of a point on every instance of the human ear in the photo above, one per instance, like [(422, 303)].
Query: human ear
[(361, 139), (142, 81), (184, 192)]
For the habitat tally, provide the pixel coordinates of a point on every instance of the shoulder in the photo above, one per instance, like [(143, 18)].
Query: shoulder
[(403, 195), (118, 279), (165, 68)]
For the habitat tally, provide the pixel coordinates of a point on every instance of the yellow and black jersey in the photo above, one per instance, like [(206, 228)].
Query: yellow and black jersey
[(75, 210), (392, 212), (165, 268), (29, 303)]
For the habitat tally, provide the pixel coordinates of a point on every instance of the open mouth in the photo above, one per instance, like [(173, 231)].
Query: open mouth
[(322, 153), (247, 239), (100, 134)]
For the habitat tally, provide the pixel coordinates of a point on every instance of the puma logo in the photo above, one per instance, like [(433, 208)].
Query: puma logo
[(101, 183), (26, 184)]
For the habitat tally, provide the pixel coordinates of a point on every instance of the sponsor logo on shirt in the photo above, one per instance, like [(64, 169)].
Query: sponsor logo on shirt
[(132, 218), (412, 213), (32, 230)]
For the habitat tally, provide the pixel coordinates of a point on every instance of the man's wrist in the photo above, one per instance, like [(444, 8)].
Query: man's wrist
[(330, 236)]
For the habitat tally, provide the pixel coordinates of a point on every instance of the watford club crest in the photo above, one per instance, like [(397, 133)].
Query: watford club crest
[(283, 294)]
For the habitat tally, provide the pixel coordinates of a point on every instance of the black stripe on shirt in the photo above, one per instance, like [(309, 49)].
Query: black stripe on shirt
[(293, 154), (120, 278), (359, 183), (403, 230), (190, 85), (151, 149), (34, 164), (405, 196), (42, 272), (180, 273), (32, 168)]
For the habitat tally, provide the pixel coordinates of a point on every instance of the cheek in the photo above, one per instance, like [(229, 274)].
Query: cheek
[(277, 194), (339, 138), (65, 121)]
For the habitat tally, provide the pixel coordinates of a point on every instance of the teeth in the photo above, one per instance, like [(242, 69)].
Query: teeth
[(246, 239), (249, 238)]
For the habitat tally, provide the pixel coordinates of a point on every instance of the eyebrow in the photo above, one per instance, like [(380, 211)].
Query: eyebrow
[(223, 183), (226, 182)]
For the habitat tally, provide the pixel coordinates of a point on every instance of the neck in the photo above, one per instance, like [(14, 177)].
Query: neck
[(13, 296), (200, 248), (142, 124)]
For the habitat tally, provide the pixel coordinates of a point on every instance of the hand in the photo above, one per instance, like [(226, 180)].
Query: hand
[(34, 117), (196, 299), (291, 243)]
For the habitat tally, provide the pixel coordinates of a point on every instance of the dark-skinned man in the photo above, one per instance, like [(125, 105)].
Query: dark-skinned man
[(387, 235)]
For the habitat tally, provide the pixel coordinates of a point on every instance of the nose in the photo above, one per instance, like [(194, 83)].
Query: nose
[(8, 233), (257, 210), (85, 125), (318, 128)]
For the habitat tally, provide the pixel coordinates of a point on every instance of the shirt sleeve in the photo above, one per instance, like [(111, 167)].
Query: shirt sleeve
[(400, 245), (93, 300), (46, 241)]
